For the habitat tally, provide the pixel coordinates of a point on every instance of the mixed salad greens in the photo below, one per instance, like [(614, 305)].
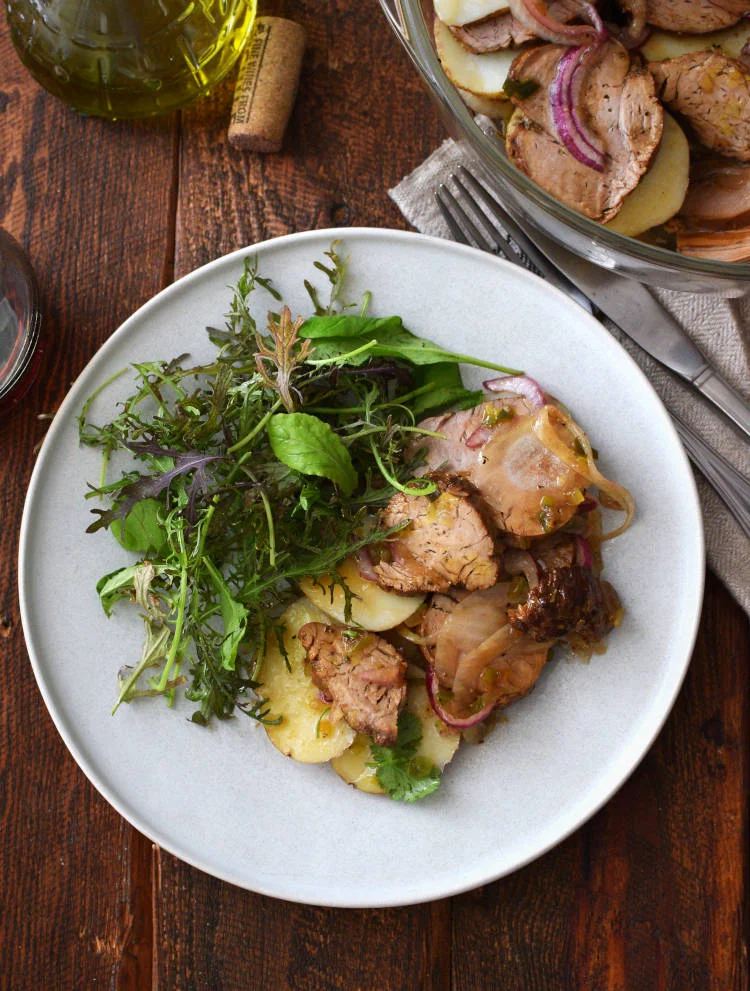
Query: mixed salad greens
[(263, 467)]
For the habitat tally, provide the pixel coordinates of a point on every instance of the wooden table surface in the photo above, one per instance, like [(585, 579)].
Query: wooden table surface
[(650, 894)]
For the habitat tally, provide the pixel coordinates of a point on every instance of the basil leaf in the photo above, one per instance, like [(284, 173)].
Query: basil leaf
[(341, 325), (234, 616), (142, 531), (310, 446)]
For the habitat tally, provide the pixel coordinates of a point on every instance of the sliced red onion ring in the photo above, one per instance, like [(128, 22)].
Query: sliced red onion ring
[(534, 16), (584, 557), (744, 57), (563, 97), (432, 686), (478, 437), (588, 504), (365, 566), (520, 384)]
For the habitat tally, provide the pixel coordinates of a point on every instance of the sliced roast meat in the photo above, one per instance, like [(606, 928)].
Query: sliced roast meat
[(712, 94), (464, 434), (526, 489), (504, 31), (694, 16), (363, 674), (567, 601), (445, 542), (720, 246), (719, 192), (616, 103)]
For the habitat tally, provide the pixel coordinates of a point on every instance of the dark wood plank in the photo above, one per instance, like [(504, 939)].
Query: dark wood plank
[(651, 892), (90, 202)]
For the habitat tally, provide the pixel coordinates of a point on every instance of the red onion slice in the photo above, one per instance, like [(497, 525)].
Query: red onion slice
[(534, 16), (584, 557), (432, 686), (478, 438), (588, 505), (522, 385), (563, 95), (365, 566)]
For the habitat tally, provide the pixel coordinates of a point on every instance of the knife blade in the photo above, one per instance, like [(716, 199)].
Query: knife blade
[(638, 314), (629, 305)]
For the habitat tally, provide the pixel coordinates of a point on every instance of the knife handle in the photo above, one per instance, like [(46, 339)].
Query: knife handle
[(729, 401)]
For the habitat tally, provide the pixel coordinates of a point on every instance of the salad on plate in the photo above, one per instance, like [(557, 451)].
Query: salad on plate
[(331, 534)]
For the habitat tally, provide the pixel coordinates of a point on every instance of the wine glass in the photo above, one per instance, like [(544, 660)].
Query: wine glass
[(20, 321)]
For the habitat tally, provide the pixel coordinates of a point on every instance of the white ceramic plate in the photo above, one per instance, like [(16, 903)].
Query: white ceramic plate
[(223, 799)]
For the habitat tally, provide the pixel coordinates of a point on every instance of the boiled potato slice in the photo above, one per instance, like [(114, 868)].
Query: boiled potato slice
[(482, 75), (458, 12), (438, 745), (373, 608), (494, 109), (304, 733), (352, 767), (659, 194), (664, 45), (439, 742)]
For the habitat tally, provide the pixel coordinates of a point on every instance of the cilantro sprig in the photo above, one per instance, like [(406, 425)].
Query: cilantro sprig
[(403, 775)]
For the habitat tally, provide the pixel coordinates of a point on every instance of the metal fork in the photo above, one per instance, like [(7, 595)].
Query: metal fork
[(474, 216)]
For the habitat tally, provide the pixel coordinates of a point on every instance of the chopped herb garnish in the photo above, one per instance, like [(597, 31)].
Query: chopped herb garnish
[(403, 775)]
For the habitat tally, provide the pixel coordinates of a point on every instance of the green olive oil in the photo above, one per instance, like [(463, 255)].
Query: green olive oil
[(129, 58)]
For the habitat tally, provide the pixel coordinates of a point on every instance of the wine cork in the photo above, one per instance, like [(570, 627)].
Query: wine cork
[(267, 84)]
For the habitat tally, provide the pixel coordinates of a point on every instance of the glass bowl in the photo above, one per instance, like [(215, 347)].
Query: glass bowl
[(412, 22)]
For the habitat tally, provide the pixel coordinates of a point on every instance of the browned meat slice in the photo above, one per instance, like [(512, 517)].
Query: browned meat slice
[(712, 93), (475, 652), (567, 601), (694, 16), (618, 106), (464, 434), (363, 675), (446, 542), (526, 489), (719, 191), (504, 31), (720, 246)]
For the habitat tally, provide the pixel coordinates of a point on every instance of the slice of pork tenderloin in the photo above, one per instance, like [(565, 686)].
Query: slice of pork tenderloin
[(503, 30), (712, 94), (526, 489), (719, 192), (363, 675), (567, 601), (617, 104), (694, 16), (447, 541)]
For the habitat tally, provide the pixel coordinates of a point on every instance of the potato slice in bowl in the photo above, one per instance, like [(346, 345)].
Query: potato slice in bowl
[(482, 75), (373, 607), (438, 745), (662, 45), (305, 732)]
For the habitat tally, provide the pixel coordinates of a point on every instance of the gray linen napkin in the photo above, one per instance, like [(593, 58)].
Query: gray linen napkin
[(721, 329)]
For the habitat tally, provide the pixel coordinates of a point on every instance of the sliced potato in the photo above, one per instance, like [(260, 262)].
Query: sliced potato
[(438, 745), (459, 12), (304, 733), (439, 742), (482, 75), (659, 194), (352, 767), (494, 109), (665, 45), (373, 608)]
